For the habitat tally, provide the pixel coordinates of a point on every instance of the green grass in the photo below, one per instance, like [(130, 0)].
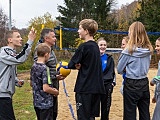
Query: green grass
[(23, 103), (22, 99)]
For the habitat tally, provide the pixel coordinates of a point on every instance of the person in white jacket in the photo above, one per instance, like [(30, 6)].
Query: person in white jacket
[(8, 61)]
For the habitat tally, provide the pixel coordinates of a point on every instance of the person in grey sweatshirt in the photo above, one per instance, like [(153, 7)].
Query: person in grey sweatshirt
[(156, 81), (8, 61), (135, 59), (48, 36)]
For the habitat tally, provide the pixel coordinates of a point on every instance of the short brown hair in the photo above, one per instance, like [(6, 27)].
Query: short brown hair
[(42, 49), (45, 32), (9, 34), (90, 25)]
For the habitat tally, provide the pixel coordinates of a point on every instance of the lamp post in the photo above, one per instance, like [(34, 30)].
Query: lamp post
[(10, 15)]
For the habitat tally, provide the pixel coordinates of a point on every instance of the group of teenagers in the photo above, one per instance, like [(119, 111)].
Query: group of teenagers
[(95, 79)]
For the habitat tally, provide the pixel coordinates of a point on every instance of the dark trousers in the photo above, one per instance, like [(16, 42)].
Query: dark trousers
[(136, 95), (55, 107), (6, 109), (106, 101), (44, 114), (55, 99), (88, 106)]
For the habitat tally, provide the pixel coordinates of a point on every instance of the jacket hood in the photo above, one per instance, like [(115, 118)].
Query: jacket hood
[(139, 52)]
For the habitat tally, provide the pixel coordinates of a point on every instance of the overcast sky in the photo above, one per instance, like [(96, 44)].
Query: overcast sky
[(24, 10)]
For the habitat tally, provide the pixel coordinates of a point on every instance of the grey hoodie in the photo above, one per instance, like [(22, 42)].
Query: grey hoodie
[(156, 80), (136, 65), (8, 61)]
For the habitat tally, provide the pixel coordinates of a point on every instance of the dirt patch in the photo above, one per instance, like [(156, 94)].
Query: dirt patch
[(116, 112)]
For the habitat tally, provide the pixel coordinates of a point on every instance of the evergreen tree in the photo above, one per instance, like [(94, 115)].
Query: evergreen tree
[(150, 16), (76, 10)]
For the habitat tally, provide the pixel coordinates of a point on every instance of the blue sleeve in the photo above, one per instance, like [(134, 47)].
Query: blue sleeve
[(124, 76)]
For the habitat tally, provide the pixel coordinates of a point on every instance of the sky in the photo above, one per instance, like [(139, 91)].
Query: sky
[(22, 11)]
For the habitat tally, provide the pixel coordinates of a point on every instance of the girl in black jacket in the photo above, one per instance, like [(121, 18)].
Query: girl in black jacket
[(108, 77)]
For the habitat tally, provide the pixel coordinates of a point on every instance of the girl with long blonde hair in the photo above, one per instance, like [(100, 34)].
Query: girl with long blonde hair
[(135, 59)]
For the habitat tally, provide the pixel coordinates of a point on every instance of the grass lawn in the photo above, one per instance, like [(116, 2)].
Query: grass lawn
[(23, 102)]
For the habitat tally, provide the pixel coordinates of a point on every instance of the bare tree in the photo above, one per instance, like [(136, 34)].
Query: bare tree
[(3, 26)]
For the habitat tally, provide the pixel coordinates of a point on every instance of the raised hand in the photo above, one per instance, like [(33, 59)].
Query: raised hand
[(32, 34)]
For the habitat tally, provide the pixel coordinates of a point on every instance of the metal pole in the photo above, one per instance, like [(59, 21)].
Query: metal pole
[(60, 37), (60, 25), (10, 15)]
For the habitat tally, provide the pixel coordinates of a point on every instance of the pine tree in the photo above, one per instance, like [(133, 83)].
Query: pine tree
[(150, 16), (76, 10)]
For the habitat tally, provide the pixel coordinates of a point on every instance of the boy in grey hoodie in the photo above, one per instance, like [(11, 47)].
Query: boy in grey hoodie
[(8, 61), (135, 59)]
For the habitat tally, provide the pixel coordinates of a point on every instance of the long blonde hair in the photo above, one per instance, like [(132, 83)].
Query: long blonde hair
[(138, 37)]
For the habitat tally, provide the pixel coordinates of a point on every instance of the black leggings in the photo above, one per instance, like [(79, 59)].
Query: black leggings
[(106, 101)]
